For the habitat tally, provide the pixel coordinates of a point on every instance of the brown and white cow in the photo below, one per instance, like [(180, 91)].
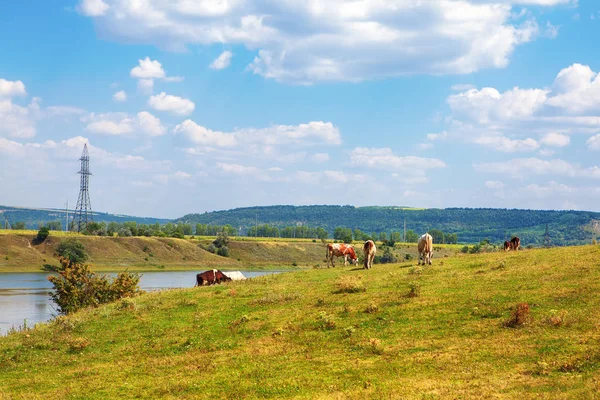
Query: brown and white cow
[(340, 250), (506, 245), (211, 277), (369, 251), (425, 247)]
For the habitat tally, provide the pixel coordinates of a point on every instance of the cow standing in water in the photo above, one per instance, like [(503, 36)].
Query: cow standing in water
[(369, 251), (211, 277), (341, 250), (425, 247)]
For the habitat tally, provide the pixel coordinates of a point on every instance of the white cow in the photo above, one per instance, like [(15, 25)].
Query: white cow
[(425, 247)]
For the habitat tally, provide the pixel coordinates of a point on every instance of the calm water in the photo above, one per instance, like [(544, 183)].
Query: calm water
[(24, 296)]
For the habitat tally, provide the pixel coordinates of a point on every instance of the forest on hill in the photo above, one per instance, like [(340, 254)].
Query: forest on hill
[(33, 218), (471, 225)]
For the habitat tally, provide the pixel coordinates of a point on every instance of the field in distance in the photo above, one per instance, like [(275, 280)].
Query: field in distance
[(449, 330)]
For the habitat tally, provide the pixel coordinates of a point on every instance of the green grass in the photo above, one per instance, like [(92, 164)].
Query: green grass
[(334, 333)]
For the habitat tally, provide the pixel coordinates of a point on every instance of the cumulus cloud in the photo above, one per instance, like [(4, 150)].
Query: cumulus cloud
[(172, 104), (507, 145), (593, 143), (11, 88), (307, 42), (148, 69), (122, 124), (312, 133), (120, 96), (384, 158), (19, 121), (223, 61), (554, 139), (92, 8)]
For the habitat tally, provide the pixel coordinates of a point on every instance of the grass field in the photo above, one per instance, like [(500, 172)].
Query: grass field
[(396, 331)]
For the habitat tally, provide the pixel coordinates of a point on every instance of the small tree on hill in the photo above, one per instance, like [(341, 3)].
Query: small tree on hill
[(42, 234), (72, 250)]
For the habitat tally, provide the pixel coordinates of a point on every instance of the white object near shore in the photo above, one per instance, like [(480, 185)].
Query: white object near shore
[(234, 275)]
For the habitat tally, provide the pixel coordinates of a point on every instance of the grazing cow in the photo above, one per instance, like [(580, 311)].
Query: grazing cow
[(340, 250), (515, 243), (506, 245), (425, 247), (211, 277), (369, 251)]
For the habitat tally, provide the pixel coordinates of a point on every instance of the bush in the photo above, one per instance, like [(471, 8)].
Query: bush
[(408, 256), (42, 234), (223, 251), (465, 249), (519, 317), (350, 284), (387, 257), (221, 240), (73, 250), (178, 235), (77, 287), (414, 289), (211, 248)]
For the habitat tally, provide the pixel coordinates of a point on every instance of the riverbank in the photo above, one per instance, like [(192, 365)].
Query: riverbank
[(20, 253)]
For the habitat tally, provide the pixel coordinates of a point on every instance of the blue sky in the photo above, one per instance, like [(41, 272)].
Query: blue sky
[(192, 106)]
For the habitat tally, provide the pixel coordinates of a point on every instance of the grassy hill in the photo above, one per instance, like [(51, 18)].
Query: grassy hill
[(471, 225), (396, 331), (20, 253)]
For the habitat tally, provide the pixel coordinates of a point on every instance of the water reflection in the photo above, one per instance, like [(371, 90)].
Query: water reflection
[(25, 299)]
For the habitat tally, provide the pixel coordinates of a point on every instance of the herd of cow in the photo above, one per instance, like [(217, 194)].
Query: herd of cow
[(424, 247)]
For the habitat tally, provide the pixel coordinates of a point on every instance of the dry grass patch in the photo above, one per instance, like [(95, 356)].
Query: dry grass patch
[(350, 284)]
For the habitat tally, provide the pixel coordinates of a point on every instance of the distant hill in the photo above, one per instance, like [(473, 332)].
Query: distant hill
[(470, 224), (33, 217)]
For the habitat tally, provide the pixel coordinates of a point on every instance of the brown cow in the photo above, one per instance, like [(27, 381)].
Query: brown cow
[(425, 247), (340, 250), (515, 243), (506, 245), (211, 277), (369, 251)]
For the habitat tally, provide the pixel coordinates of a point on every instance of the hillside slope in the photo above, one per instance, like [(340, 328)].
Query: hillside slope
[(471, 225), (308, 334)]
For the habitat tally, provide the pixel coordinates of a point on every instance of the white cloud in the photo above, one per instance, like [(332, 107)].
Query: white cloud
[(18, 121), (554, 139), (524, 167), (223, 61), (551, 31), (122, 124), (120, 96), (237, 169), (384, 158), (577, 89), (92, 8), (496, 185), (437, 136), (146, 86), (546, 152), (462, 87), (307, 42), (312, 133), (148, 69), (593, 143), (507, 145), (150, 124), (173, 104), (320, 157), (11, 88)]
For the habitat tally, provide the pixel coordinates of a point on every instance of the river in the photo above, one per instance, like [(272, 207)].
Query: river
[(24, 297)]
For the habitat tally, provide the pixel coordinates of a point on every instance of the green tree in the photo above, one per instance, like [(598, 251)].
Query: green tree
[(382, 236), (54, 226), (42, 234), (395, 237), (437, 235), (411, 236), (18, 226), (73, 250)]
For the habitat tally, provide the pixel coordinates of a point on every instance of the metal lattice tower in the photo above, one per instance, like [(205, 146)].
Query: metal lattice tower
[(547, 238), (83, 212)]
